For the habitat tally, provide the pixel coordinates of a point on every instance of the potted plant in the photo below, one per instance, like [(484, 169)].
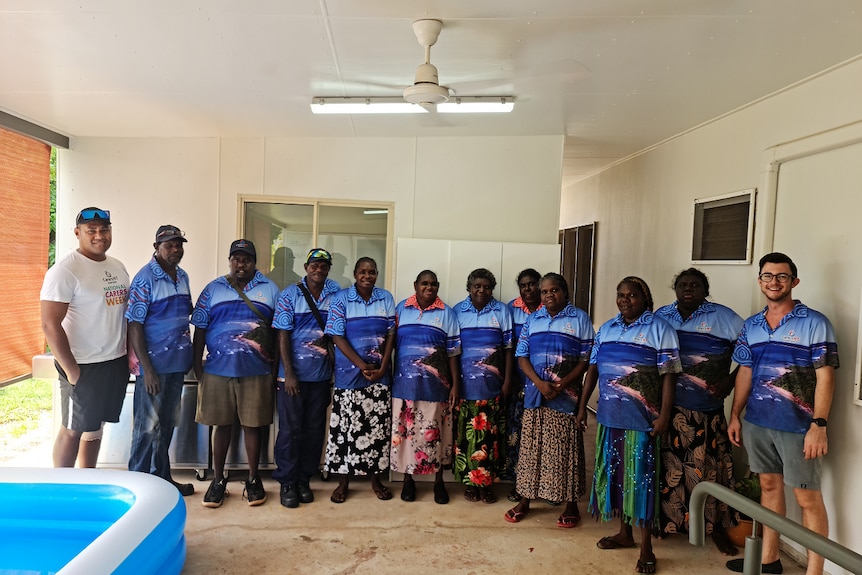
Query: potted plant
[(749, 486)]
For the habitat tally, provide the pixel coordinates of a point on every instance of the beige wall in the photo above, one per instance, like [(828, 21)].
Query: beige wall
[(480, 189), (644, 210)]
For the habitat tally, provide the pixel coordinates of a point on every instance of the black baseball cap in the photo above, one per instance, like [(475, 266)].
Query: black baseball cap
[(168, 232), (244, 246)]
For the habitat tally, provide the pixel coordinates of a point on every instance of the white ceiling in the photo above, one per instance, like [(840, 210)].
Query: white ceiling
[(614, 76)]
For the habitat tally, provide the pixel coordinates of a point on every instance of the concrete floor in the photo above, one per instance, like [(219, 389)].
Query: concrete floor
[(364, 535)]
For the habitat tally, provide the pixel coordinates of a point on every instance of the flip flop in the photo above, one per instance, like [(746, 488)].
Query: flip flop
[(471, 494), (646, 565), (382, 492), (339, 495), (488, 495), (513, 516), (608, 543), (568, 521)]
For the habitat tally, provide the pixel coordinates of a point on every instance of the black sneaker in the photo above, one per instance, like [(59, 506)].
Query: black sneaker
[(289, 497), (185, 489), (254, 492), (737, 565), (216, 493), (305, 493)]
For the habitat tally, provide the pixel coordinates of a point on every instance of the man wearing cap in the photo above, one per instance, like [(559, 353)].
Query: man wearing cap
[(83, 300), (233, 317), (160, 303), (304, 380)]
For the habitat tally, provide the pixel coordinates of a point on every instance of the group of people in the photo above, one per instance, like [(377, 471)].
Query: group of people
[(491, 390)]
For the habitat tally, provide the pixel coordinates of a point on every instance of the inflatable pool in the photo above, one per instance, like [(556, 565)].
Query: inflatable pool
[(89, 522)]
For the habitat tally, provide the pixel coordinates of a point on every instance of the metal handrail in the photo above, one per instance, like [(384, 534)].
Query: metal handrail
[(827, 548)]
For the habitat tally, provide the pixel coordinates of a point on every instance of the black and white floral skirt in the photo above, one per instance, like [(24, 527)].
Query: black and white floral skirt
[(359, 428)]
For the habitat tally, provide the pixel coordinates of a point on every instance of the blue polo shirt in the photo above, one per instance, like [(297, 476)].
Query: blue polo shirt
[(293, 314), (233, 330), (783, 362), (365, 325), (426, 339), (162, 306), (706, 342), (554, 346), (632, 359), (486, 334)]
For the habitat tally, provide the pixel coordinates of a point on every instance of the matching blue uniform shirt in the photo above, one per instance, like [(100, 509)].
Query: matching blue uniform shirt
[(486, 335), (631, 361), (234, 331), (554, 346), (162, 306), (520, 313), (293, 314), (783, 362), (365, 325), (706, 341), (426, 339)]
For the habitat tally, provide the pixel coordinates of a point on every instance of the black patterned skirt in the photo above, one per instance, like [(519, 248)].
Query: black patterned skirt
[(359, 429)]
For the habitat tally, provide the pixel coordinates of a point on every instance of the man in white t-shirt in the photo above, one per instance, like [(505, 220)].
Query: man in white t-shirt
[(83, 302)]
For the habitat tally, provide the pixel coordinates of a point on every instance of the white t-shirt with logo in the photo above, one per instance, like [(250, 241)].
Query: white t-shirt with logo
[(97, 293)]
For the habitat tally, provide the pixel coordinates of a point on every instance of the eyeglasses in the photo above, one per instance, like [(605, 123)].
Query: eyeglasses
[(767, 277), (87, 215)]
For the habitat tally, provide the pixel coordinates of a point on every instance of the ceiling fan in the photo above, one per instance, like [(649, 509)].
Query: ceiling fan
[(425, 95)]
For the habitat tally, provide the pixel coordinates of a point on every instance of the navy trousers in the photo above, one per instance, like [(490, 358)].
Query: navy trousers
[(301, 431)]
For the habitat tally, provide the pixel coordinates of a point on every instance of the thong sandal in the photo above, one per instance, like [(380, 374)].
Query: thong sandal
[(610, 543), (513, 516), (339, 495), (382, 492), (568, 521), (488, 495), (471, 494), (646, 565)]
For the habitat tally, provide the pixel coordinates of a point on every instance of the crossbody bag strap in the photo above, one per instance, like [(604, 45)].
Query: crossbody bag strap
[(311, 304), (244, 297)]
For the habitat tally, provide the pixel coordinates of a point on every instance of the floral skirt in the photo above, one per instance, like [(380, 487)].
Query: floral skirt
[(421, 436), (480, 433), (551, 465), (694, 449), (514, 415), (359, 431), (625, 479)]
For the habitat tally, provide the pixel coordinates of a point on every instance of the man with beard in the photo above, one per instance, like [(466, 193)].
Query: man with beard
[(160, 303)]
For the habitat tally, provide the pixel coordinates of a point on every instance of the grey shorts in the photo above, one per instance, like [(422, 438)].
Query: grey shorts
[(97, 397), (221, 400), (781, 452)]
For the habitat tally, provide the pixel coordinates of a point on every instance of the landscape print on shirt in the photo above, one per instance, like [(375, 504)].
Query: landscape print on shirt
[(791, 383), (419, 357), (629, 385), (483, 357), (705, 360), (366, 335)]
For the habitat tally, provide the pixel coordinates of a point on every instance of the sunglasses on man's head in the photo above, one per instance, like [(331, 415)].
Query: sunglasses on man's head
[(87, 215)]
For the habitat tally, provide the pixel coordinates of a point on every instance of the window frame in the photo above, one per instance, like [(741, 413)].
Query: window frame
[(703, 204)]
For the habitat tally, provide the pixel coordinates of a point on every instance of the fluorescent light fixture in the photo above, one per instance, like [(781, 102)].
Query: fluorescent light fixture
[(364, 106), (458, 105), (477, 105), (374, 212)]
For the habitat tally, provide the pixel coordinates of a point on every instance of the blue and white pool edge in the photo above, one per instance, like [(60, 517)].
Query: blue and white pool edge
[(148, 538)]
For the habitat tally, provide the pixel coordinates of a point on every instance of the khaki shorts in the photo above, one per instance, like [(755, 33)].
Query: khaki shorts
[(221, 400)]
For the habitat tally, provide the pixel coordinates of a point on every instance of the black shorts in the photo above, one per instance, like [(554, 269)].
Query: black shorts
[(97, 397)]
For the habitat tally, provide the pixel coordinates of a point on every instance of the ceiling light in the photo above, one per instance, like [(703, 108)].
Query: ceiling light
[(459, 105), (364, 106), (476, 105), (374, 212)]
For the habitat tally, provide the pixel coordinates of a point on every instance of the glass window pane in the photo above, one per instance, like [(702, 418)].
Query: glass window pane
[(351, 233), (282, 236)]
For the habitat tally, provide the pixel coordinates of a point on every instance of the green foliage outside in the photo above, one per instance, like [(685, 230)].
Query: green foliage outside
[(22, 404), (53, 187)]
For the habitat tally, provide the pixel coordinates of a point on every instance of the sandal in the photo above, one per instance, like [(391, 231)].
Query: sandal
[(382, 492), (339, 495), (646, 565), (513, 496), (488, 495), (611, 543), (513, 516), (568, 521), (471, 494)]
